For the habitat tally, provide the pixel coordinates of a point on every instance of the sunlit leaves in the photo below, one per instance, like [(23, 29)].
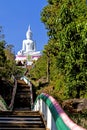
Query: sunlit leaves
[(66, 21)]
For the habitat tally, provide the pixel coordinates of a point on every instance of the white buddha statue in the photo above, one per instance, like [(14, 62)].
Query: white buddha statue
[(28, 45), (28, 49)]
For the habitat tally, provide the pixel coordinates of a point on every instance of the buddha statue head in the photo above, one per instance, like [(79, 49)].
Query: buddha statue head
[(29, 33)]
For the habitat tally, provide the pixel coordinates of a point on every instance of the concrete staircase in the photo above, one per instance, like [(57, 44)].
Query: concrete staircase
[(22, 98), (21, 118)]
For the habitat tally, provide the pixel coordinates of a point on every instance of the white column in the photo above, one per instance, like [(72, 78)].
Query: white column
[(49, 118)]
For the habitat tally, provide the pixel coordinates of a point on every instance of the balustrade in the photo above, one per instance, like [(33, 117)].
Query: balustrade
[(54, 116)]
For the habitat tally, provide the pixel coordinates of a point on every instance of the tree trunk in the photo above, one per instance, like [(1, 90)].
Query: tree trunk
[(48, 69)]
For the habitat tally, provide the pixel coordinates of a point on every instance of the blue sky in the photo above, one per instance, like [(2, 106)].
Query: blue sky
[(16, 16)]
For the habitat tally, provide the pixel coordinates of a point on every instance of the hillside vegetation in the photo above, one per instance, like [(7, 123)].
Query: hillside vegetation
[(64, 61), (61, 71)]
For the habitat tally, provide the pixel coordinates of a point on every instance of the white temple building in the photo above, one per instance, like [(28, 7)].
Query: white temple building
[(28, 53)]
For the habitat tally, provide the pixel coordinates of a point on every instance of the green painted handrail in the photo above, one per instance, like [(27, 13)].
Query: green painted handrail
[(62, 121)]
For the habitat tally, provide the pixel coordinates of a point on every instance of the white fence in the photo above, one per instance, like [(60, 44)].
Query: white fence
[(42, 107), (53, 115)]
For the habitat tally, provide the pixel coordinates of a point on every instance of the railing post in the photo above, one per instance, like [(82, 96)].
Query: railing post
[(31, 94), (13, 95), (49, 119), (40, 103), (37, 106)]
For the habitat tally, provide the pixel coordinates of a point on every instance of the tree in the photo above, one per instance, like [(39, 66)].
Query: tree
[(2, 54), (39, 68), (2, 58), (2, 46), (1, 34), (10, 65), (66, 23)]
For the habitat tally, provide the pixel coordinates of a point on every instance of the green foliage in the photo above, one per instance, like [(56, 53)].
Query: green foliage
[(19, 71), (2, 54), (7, 60), (10, 66), (39, 68), (2, 58), (73, 44), (1, 34), (66, 23)]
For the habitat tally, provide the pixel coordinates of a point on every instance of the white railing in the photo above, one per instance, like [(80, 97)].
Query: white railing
[(13, 94), (54, 116), (46, 114)]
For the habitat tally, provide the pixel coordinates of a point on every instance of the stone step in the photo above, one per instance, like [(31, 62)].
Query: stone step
[(19, 113), (23, 128), (23, 90), (21, 120), (20, 125), (28, 108), (23, 106), (23, 95), (23, 86), (24, 118)]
